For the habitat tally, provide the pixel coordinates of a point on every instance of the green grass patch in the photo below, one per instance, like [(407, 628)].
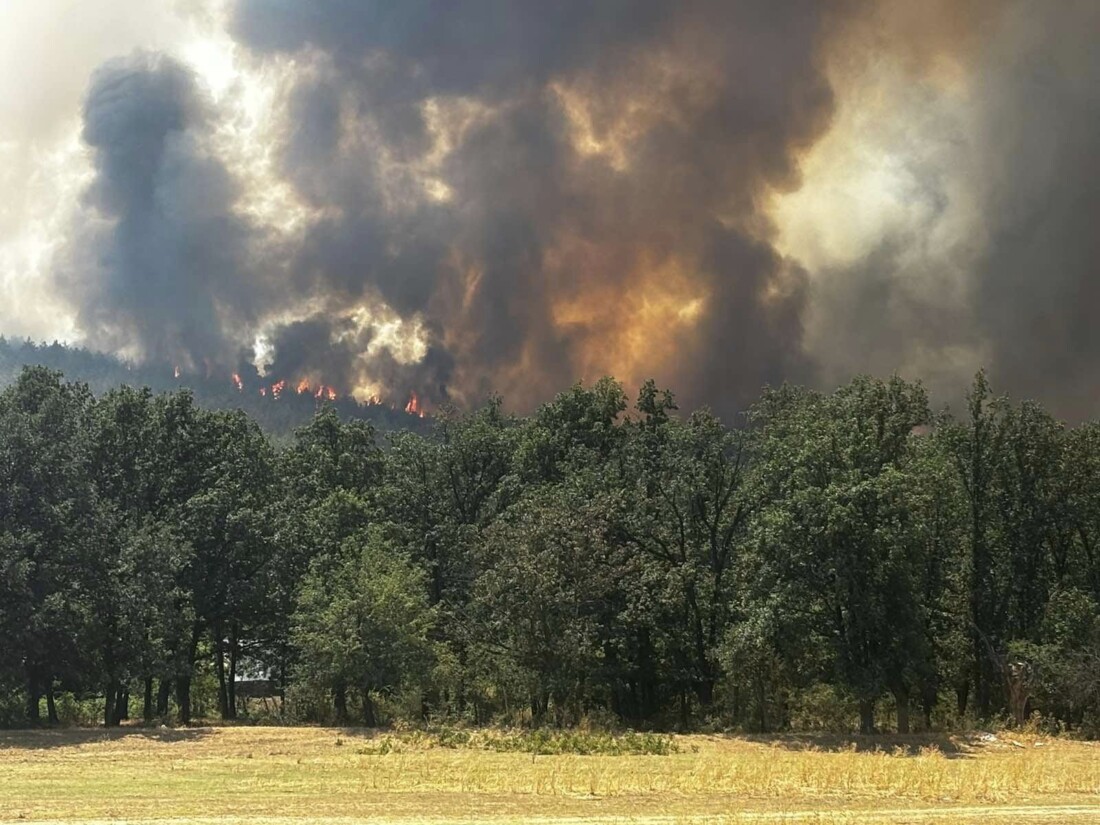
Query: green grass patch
[(541, 742)]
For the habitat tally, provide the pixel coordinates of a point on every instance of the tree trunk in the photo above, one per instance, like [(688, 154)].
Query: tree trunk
[(340, 703), (122, 704), (219, 669), (901, 699), (147, 700), (183, 699), (866, 716), (540, 704), (1016, 676), (928, 704), (704, 691), (231, 685), (684, 710), (985, 699), (962, 696), (762, 702), (34, 694), (183, 683), (51, 706), (110, 706), (164, 692), (982, 696), (370, 719)]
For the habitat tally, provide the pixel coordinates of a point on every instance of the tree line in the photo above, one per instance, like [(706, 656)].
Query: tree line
[(839, 552)]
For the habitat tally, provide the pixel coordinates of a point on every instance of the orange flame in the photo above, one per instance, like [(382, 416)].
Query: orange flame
[(238, 383), (303, 386), (413, 407), (278, 387)]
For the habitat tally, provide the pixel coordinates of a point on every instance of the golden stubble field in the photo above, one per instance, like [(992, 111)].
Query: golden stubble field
[(217, 776)]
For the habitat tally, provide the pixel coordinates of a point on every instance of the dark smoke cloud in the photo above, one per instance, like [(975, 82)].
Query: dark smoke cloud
[(1037, 288), (163, 265), (318, 345), (1014, 286), (549, 263), (559, 190)]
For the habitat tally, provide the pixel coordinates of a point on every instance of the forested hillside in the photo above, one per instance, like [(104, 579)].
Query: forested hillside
[(278, 413), (842, 553)]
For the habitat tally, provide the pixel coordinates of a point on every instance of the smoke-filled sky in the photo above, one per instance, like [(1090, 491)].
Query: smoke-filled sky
[(454, 197)]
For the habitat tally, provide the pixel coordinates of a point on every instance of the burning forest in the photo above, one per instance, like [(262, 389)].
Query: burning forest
[(432, 202), (255, 393)]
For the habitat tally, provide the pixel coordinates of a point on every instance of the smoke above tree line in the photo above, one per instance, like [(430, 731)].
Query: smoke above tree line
[(457, 198)]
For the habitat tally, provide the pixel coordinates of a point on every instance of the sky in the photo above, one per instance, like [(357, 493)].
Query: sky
[(460, 197)]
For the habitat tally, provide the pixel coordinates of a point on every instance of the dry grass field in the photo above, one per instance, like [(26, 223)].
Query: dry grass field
[(311, 776)]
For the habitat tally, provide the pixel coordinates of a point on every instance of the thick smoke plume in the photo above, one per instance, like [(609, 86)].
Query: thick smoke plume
[(560, 189), (986, 115), (163, 267), (502, 196)]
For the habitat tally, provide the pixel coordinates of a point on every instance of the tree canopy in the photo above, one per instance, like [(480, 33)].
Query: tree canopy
[(596, 559)]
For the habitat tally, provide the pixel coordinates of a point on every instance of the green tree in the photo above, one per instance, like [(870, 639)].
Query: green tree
[(48, 516), (688, 514), (1030, 502), (552, 605), (1063, 663), (328, 482), (975, 448), (439, 495), (363, 622), (1080, 473), (226, 523), (837, 532)]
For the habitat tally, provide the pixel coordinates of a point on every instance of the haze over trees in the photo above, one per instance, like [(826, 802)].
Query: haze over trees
[(838, 553)]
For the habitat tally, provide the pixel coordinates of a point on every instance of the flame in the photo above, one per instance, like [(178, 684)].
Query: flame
[(237, 382), (413, 407), (177, 372), (303, 387)]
